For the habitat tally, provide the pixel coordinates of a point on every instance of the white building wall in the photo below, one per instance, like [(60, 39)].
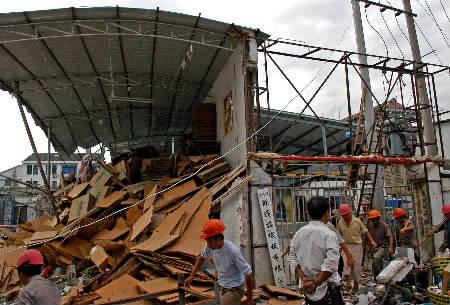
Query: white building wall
[(231, 78), (445, 130)]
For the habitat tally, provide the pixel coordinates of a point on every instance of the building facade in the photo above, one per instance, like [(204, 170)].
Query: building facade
[(20, 203)]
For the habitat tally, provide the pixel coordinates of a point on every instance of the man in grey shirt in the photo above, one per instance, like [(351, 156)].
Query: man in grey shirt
[(37, 290), (233, 270), (314, 254)]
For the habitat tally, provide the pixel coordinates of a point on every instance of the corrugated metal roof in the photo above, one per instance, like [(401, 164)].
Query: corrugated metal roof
[(68, 62), (293, 135)]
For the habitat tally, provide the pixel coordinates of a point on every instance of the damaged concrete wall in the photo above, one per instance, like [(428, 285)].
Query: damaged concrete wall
[(261, 259), (231, 79)]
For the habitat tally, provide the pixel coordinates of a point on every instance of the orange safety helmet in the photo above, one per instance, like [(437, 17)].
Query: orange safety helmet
[(446, 209), (399, 212), (344, 209), (212, 227), (374, 214), (30, 257), (364, 203)]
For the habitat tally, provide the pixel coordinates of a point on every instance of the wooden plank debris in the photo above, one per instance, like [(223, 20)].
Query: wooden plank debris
[(154, 240)]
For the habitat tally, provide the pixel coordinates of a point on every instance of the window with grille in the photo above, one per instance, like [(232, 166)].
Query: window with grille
[(228, 113), (67, 169)]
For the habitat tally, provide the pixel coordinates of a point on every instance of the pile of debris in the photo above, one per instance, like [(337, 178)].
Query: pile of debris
[(116, 252)]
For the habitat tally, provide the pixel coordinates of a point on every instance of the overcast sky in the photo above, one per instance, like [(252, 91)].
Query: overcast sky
[(326, 23)]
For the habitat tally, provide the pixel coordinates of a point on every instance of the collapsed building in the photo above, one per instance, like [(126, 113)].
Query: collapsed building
[(175, 99)]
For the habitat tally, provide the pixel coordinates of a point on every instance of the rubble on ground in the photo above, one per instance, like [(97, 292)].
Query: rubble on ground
[(102, 251)]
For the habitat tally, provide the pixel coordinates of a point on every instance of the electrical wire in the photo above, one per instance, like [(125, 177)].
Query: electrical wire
[(445, 12), (430, 13), (429, 44), (384, 42), (392, 35)]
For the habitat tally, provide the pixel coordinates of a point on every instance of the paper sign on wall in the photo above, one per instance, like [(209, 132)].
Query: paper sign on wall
[(265, 204)]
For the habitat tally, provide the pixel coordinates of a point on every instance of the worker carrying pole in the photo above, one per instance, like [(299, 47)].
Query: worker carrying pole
[(443, 226), (231, 266)]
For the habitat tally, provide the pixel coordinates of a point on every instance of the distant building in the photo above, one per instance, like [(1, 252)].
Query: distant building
[(20, 203)]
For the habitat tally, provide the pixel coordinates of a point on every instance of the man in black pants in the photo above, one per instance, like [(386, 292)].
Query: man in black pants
[(314, 253)]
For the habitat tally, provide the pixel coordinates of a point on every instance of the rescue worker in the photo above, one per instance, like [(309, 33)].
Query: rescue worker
[(349, 146), (445, 227), (407, 231), (37, 290), (314, 254), (350, 227), (231, 266), (382, 235)]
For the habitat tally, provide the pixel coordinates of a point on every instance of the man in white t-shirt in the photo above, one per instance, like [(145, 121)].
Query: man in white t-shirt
[(233, 270)]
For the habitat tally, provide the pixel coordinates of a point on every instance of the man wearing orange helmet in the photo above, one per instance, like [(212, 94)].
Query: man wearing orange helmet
[(445, 227), (350, 228), (37, 290), (407, 231), (382, 235), (231, 266)]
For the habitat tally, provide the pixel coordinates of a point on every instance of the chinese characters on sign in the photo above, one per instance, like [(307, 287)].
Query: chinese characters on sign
[(265, 203)]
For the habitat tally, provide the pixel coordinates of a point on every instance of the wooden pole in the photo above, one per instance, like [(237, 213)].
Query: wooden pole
[(30, 137)]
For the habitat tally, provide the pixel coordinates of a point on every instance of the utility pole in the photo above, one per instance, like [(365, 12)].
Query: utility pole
[(424, 103), (429, 193), (378, 199)]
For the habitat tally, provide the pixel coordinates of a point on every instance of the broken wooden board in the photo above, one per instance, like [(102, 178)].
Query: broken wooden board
[(133, 214), (100, 192), (150, 194), (99, 257), (78, 190), (76, 247), (63, 190), (213, 171), (281, 291), (142, 223), (190, 242), (129, 201), (175, 194), (111, 199), (39, 237), (119, 229), (101, 178), (123, 170), (137, 187), (123, 287), (81, 206), (157, 241)]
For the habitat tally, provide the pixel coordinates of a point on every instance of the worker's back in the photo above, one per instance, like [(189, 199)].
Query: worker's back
[(39, 291)]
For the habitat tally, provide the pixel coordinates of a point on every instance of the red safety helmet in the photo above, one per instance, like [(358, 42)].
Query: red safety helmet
[(212, 227), (30, 257), (373, 214), (344, 209), (399, 212), (446, 209)]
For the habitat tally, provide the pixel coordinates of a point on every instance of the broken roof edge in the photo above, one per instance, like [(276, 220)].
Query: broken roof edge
[(259, 35)]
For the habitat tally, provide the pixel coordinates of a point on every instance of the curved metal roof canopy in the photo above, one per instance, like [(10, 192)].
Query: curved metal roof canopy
[(111, 75)]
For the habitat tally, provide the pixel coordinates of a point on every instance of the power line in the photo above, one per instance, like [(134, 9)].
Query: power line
[(429, 44), (445, 12), (430, 13), (392, 35), (384, 42)]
